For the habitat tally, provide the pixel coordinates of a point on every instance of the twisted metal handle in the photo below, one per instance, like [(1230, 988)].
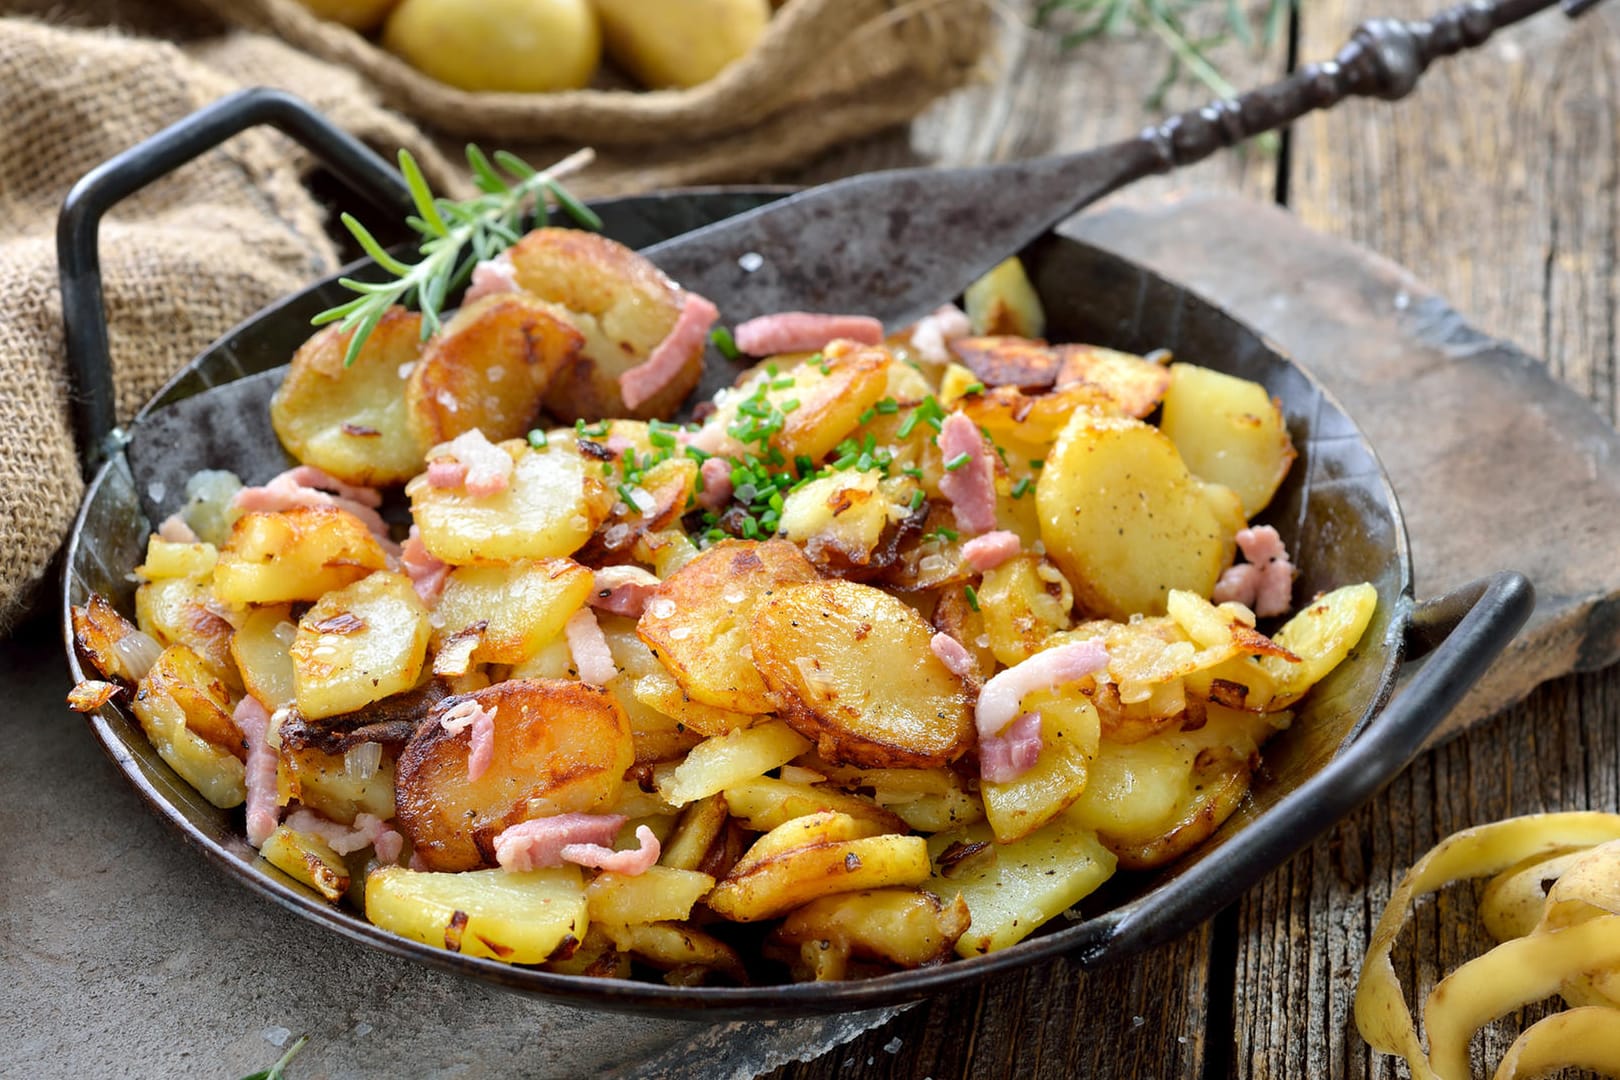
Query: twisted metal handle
[(1384, 58)]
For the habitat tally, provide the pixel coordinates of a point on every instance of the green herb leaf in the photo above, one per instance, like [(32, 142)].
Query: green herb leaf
[(726, 343), (278, 1071)]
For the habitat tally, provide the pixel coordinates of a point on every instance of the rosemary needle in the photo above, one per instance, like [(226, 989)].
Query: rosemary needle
[(456, 236)]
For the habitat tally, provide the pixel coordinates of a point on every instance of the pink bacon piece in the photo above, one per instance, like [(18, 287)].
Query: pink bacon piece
[(592, 657), (537, 844), (309, 486), (716, 493), (803, 331), (175, 530), (472, 461), (984, 553), (622, 590), (253, 720), (953, 654), (1004, 758), (1000, 699), (971, 486), (467, 714), (630, 863), (367, 830), (670, 356), (937, 330), (491, 277), (428, 575), (1265, 584)]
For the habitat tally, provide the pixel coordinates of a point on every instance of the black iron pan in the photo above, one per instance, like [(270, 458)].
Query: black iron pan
[(1336, 512)]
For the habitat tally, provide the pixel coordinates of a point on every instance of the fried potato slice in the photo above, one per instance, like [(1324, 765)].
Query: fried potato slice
[(97, 630), (1126, 522), (727, 760), (351, 421), (1018, 362), (299, 554), (359, 644), (1136, 385), (308, 859), (1026, 425), (554, 502), (659, 894), (850, 666), (761, 804), (699, 826), (186, 713), (624, 307), (764, 887), (259, 649), (904, 927), (1022, 603), (1321, 636), (512, 609), (521, 918), (700, 621), (679, 948), (658, 690), (1004, 302), (177, 560), (488, 368), (559, 747), (1070, 733), (175, 611), (337, 785), (1229, 431)]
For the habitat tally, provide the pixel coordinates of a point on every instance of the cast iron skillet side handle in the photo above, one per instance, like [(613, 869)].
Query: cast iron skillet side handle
[(1467, 630), (79, 261)]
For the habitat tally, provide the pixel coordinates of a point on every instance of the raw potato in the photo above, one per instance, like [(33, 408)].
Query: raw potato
[(660, 894), (299, 554), (350, 421), (1126, 522), (359, 644), (362, 15), (1229, 431), (679, 43), (522, 605), (1004, 302), (308, 859), (509, 46), (904, 927), (622, 304), (554, 503), (560, 747), (764, 887), (1026, 883), (260, 649), (521, 918), (699, 623), (185, 712), (1321, 636), (1070, 732), (728, 760), (488, 368), (850, 666)]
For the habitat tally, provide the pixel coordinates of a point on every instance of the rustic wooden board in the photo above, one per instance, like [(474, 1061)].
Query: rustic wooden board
[(1496, 464)]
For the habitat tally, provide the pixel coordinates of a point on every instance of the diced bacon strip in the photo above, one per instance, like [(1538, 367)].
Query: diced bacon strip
[(534, 845), (670, 356), (490, 277), (253, 720), (426, 572), (716, 493), (389, 846), (343, 839), (623, 590), (592, 657), (481, 751), (418, 863), (953, 654), (971, 486), (488, 468), (935, 331), (984, 553), (1266, 582), (1002, 696), (175, 530), (1003, 758), (300, 487), (802, 331), (629, 863)]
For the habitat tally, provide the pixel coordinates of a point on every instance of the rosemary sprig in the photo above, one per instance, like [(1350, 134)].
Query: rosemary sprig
[(456, 236), (1168, 21)]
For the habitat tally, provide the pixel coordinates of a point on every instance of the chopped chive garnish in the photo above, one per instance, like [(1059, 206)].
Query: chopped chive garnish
[(916, 499), (725, 343), (913, 471), (784, 383), (958, 461), (537, 439), (698, 455), (846, 460), (973, 388), (1021, 487), (972, 595), (789, 405), (887, 407), (866, 417), (1036, 463)]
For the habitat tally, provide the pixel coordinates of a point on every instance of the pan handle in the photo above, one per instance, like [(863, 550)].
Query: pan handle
[(1465, 630), (78, 258)]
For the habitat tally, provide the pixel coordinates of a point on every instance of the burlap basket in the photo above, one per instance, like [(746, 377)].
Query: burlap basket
[(831, 63)]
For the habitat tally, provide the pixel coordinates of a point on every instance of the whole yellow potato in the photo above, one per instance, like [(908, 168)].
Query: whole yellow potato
[(362, 15), (679, 43), (520, 46)]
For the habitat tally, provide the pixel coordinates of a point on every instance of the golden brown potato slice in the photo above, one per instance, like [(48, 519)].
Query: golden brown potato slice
[(559, 747), (1320, 636), (308, 859), (659, 691), (1026, 425), (761, 804), (351, 421), (520, 606), (174, 611), (186, 713), (1126, 522), (1229, 431), (177, 560), (724, 761), (1017, 362), (521, 918), (260, 649), (700, 825), (488, 368), (624, 307), (763, 888), (337, 785), (1023, 602), (300, 554), (1004, 302), (850, 666), (699, 622), (678, 948), (97, 630), (1135, 384), (659, 894), (554, 502), (904, 927), (359, 644)]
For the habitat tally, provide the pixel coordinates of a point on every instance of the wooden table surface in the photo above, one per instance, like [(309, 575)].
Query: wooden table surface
[(1498, 183)]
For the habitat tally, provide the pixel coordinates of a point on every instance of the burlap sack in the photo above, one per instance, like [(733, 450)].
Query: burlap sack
[(825, 70), (182, 261)]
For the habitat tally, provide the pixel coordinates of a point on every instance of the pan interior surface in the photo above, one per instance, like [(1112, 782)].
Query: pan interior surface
[(1336, 513)]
